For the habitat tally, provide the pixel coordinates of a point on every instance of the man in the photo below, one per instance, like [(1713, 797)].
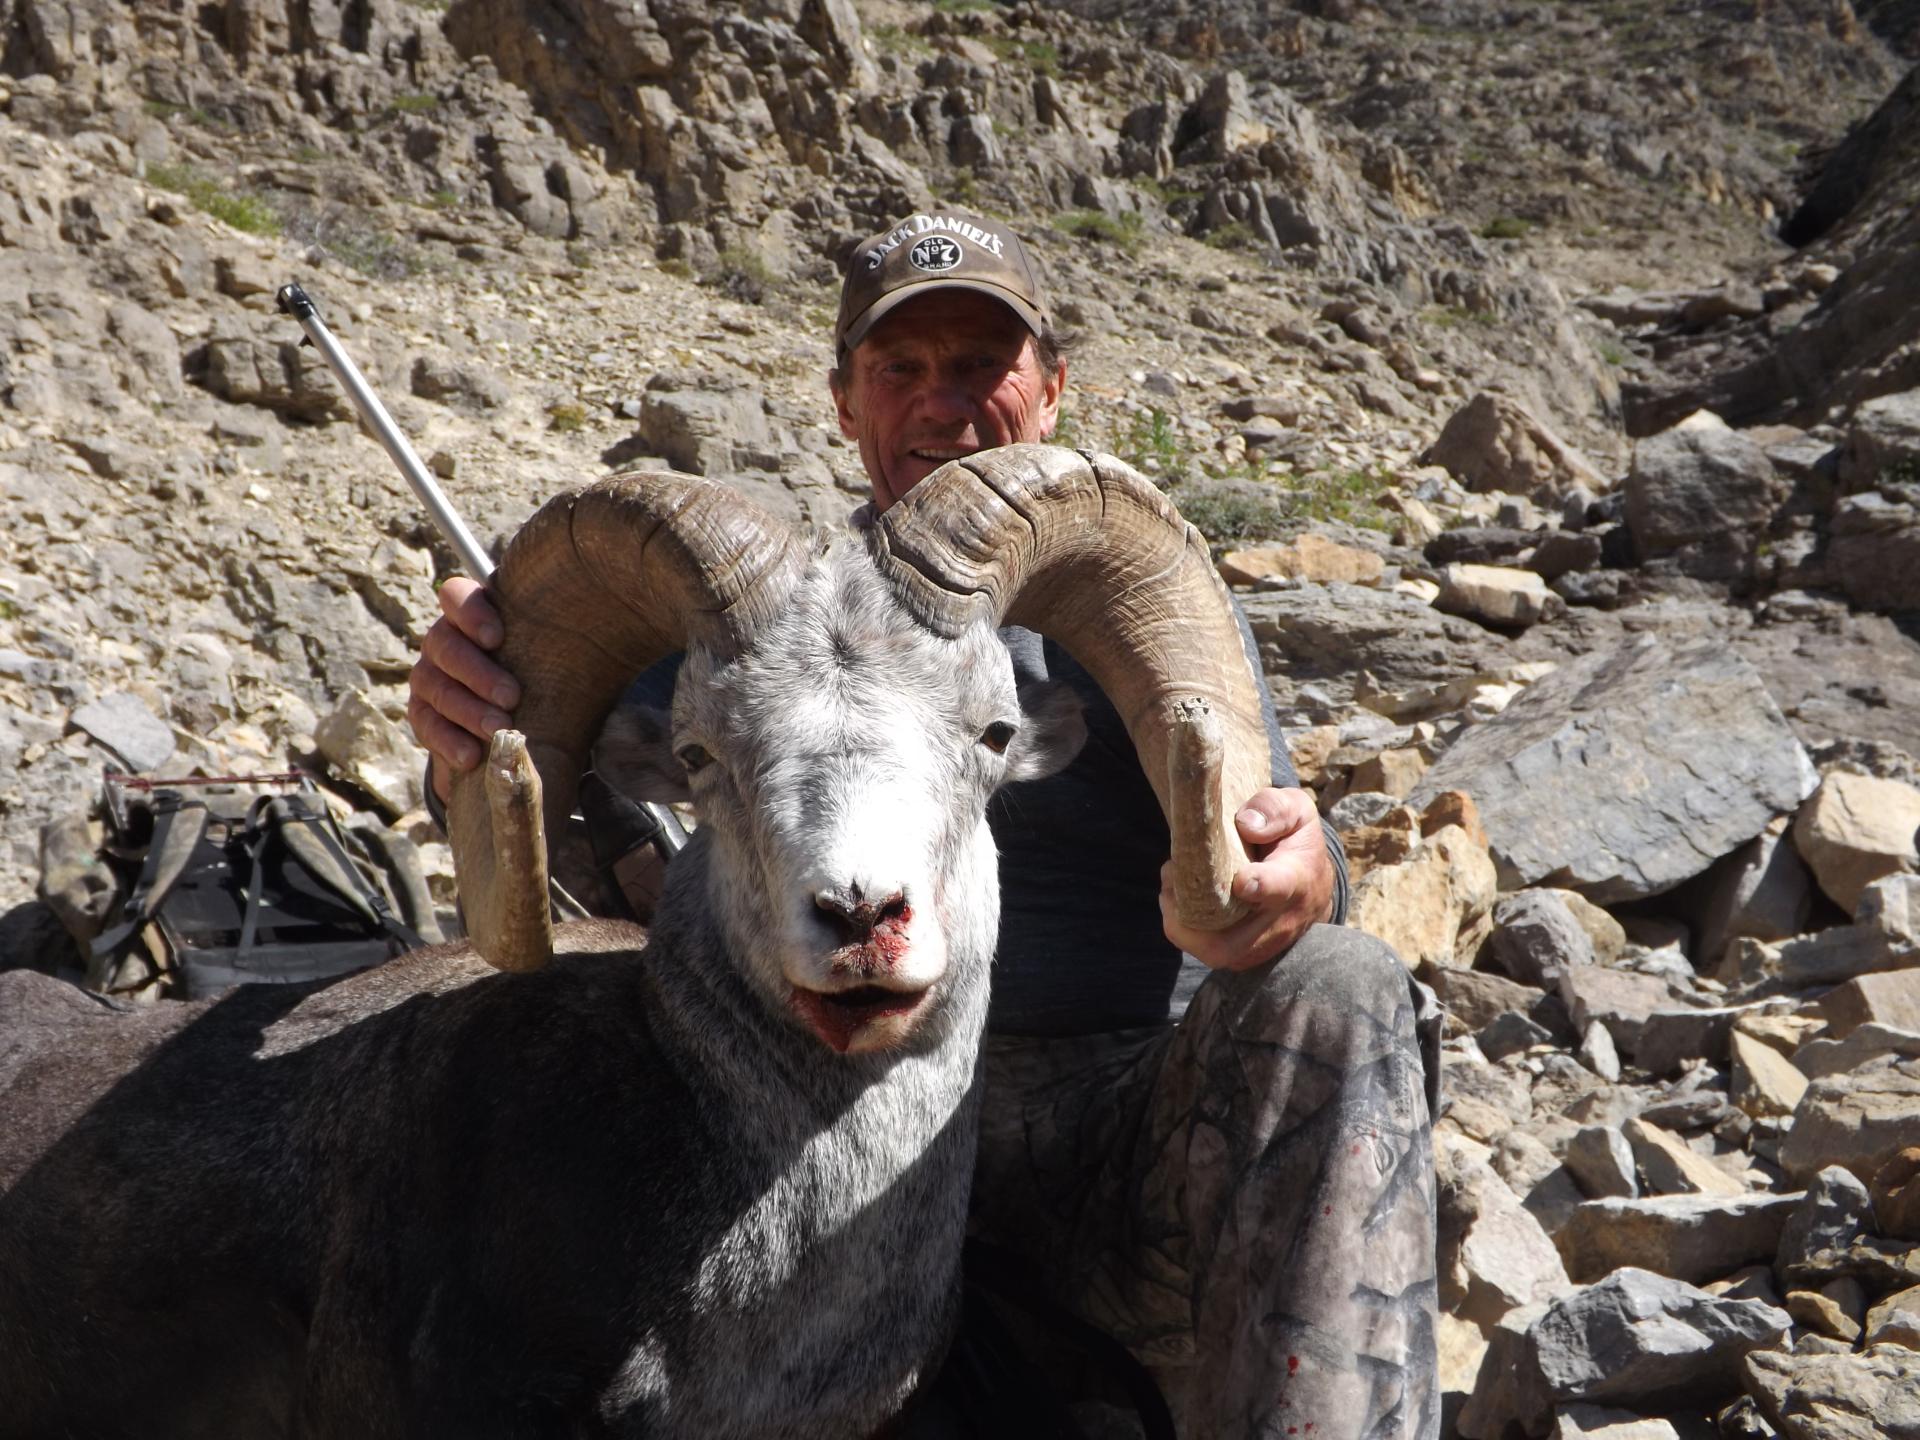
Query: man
[(1244, 1198)]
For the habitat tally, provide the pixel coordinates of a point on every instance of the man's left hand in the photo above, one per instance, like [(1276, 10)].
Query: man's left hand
[(1288, 884)]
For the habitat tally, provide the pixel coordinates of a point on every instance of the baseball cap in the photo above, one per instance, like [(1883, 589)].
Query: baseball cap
[(944, 250)]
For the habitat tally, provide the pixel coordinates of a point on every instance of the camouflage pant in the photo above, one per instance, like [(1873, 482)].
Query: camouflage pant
[(1245, 1200)]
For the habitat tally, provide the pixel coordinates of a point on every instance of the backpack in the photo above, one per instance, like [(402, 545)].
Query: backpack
[(233, 879)]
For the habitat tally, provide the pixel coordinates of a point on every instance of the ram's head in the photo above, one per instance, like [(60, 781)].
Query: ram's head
[(845, 711)]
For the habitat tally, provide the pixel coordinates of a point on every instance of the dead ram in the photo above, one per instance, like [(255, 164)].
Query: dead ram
[(710, 1182)]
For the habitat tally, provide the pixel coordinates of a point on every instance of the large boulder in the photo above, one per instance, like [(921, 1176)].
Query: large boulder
[(1634, 1338), (1493, 442), (1855, 829), (1625, 772), (1860, 1119), (1696, 1238), (1872, 1395), (1703, 494)]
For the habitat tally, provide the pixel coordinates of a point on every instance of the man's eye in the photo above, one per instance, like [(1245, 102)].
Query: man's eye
[(997, 736), (693, 758)]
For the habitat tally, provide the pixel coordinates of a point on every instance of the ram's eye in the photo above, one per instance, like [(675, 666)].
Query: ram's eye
[(693, 758), (997, 736)]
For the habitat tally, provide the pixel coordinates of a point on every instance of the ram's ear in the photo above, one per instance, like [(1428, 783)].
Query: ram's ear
[(634, 755), (1053, 727)]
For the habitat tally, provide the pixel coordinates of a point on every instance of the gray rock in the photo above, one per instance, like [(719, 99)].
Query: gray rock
[(124, 724), (1635, 1337), (1511, 1033), (1703, 493), (461, 383), (1625, 772), (1618, 999), (1671, 1037), (1690, 1237), (1494, 443), (1475, 999), (1602, 1162), (699, 425), (1882, 435), (1835, 1211), (1536, 936), (1598, 1052), (1822, 1057), (1872, 1395), (1762, 890), (1873, 550)]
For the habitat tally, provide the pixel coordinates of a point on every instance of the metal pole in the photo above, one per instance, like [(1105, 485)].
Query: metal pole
[(295, 302)]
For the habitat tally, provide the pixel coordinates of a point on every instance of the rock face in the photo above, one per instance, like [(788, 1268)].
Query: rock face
[(1688, 1237), (1874, 1395), (1859, 1120), (1855, 829), (1621, 775), (1702, 495)]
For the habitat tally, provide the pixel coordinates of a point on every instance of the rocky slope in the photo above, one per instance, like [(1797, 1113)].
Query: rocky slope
[(1621, 731)]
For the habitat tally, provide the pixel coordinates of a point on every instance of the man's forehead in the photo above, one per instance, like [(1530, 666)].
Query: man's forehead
[(946, 315)]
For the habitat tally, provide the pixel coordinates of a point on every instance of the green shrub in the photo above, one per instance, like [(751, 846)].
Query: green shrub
[(1235, 235), (1504, 227), (677, 268), (742, 273), (566, 416), (243, 210), (413, 104), (1122, 230)]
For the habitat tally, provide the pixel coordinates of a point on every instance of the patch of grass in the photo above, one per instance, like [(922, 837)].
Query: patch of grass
[(162, 109), (9, 609), (444, 200), (1227, 509), (1152, 444), (1040, 55), (1122, 231), (1234, 235), (1351, 496), (566, 416), (351, 237), (243, 210), (1452, 317), (1612, 354), (960, 7), (742, 273), (1165, 193), (308, 154), (414, 104), (897, 41), (677, 268), (1505, 227)]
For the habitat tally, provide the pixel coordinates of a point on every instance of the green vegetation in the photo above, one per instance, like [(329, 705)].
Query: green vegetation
[(9, 609), (243, 210), (1234, 235), (742, 273), (1612, 353), (1165, 193), (1451, 317), (1505, 227), (1122, 231), (1040, 55), (896, 41), (960, 7), (677, 268), (1151, 438), (415, 104), (444, 200), (566, 416)]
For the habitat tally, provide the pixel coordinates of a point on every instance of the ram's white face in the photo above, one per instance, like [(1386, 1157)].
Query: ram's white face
[(841, 769)]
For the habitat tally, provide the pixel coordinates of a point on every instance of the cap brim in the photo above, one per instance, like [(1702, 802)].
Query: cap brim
[(893, 299)]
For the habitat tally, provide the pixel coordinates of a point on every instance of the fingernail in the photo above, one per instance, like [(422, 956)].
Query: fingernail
[(493, 720), (505, 696), (490, 636), (1249, 888), (1255, 818)]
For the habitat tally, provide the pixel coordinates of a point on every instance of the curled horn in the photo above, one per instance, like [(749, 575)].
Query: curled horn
[(1085, 550), (598, 585)]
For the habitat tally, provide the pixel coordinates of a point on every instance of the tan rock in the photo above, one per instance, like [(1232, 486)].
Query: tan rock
[(1495, 594), (1780, 1032), (1695, 1238), (1420, 905), (1854, 829), (374, 753), (1391, 772), (1462, 1347), (1619, 999), (1765, 1082), (1671, 1168), (1895, 1189), (1823, 1314), (1310, 748), (1858, 1119), (1604, 1422), (1453, 807), (1493, 442), (1895, 1320), (1608, 935), (1387, 841), (1309, 557), (1890, 997)]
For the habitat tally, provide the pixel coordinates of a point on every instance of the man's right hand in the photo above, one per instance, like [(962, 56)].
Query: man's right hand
[(457, 696)]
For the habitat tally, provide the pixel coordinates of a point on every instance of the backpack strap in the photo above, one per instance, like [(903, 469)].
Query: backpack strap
[(178, 827)]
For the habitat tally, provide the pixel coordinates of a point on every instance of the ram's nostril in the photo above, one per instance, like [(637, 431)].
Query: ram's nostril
[(853, 918)]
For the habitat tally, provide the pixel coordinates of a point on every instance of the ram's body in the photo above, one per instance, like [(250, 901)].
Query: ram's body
[(711, 1187)]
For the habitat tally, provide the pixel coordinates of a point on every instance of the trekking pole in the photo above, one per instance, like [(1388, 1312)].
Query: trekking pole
[(666, 833), (295, 302)]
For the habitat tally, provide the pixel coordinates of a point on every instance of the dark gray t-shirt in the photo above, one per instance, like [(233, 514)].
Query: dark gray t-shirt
[(1081, 948)]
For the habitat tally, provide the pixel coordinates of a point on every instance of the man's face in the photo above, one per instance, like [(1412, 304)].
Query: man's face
[(946, 374)]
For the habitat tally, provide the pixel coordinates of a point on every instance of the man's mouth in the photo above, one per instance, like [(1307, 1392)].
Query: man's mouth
[(841, 1017), (940, 455)]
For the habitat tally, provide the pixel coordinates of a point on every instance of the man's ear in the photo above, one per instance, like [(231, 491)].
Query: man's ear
[(1053, 727), (837, 387), (1052, 390), (634, 755)]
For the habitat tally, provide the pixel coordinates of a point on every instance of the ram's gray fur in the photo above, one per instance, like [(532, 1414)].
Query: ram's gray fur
[(624, 1195)]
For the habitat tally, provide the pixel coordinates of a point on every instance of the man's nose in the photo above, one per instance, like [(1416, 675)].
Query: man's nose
[(948, 400)]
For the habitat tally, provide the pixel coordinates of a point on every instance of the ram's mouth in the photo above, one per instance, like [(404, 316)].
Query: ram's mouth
[(863, 1017)]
